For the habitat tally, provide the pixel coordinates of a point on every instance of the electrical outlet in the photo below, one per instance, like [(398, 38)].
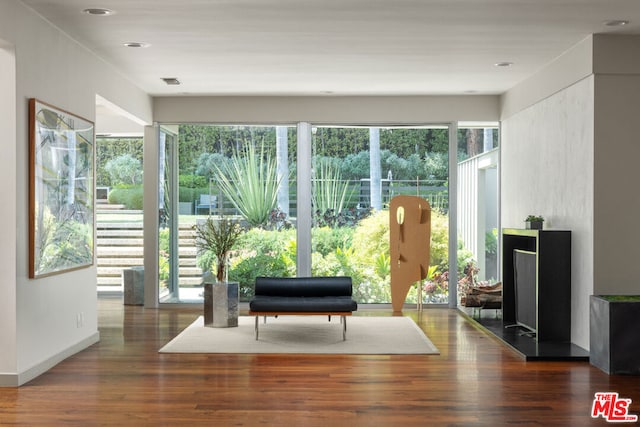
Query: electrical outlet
[(80, 320)]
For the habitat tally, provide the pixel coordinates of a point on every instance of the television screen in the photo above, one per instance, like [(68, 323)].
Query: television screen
[(524, 263)]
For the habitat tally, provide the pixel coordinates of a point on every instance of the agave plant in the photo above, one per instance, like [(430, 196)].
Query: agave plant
[(251, 183), (329, 189)]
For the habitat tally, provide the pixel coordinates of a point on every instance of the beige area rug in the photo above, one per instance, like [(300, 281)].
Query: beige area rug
[(306, 334)]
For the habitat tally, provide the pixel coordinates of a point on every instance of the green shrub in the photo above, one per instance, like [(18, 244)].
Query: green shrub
[(491, 241), (371, 238), (208, 163), (246, 270), (163, 259), (439, 240), (440, 245), (361, 252), (131, 198), (186, 194), (124, 169), (206, 261), (326, 240), (193, 181), (266, 242), (356, 166), (329, 265)]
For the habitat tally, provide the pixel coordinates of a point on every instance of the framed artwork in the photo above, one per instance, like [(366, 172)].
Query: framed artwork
[(61, 182)]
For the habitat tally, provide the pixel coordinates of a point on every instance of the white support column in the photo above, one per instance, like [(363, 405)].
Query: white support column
[(453, 215), (282, 157), (150, 215), (375, 172), (304, 213)]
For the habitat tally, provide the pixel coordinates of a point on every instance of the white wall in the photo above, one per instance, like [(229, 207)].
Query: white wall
[(317, 110), (547, 169), (576, 150), (8, 360), (617, 174), (55, 69)]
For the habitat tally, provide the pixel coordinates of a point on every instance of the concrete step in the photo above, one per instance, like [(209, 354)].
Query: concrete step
[(117, 271), (113, 241), (136, 232), (133, 262), (116, 282), (119, 225), (119, 245), (110, 206), (130, 241), (114, 251), (107, 233), (120, 262)]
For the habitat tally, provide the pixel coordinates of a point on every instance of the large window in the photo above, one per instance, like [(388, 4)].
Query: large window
[(206, 173), (356, 172), (210, 172), (478, 216), (119, 194)]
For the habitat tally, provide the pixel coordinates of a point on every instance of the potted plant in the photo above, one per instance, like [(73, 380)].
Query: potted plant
[(534, 222), (221, 298), (218, 237)]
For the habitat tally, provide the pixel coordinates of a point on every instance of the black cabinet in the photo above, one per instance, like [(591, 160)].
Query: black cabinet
[(550, 305)]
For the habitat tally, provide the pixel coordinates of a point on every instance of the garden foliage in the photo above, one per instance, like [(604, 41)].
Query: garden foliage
[(250, 181), (360, 251)]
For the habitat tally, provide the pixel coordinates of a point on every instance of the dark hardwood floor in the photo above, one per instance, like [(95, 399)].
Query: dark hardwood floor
[(476, 380)]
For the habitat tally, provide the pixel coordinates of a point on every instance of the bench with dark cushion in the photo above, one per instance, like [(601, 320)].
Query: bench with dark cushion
[(328, 296)]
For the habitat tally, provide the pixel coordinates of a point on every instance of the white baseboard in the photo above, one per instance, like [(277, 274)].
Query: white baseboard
[(21, 378)]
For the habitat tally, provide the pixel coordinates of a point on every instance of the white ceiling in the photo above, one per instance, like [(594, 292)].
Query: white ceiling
[(341, 47)]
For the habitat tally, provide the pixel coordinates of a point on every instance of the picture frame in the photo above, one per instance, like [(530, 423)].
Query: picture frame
[(61, 190)]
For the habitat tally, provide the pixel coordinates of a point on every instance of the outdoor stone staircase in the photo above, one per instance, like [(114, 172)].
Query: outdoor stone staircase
[(119, 245)]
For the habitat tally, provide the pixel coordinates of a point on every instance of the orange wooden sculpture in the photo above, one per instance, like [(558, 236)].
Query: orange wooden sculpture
[(410, 241)]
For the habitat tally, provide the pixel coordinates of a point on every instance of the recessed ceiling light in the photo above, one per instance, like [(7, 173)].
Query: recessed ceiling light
[(616, 23), (171, 80), (136, 44), (98, 11), (503, 64)]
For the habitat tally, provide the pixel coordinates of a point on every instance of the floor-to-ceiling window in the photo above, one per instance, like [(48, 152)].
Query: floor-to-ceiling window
[(478, 204), (119, 225), (354, 172), (239, 173)]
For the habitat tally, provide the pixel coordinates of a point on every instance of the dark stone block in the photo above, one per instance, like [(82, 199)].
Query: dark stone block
[(614, 338)]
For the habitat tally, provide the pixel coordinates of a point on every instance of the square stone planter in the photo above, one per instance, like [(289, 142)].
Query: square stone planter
[(614, 337), (133, 284), (221, 300)]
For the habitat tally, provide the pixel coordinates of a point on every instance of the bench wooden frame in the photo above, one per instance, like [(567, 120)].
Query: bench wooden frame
[(343, 317)]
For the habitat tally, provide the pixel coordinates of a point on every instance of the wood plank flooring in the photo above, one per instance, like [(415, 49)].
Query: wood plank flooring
[(475, 381)]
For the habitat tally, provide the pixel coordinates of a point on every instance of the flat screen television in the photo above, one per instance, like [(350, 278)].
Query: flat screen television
[(524, 265)]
